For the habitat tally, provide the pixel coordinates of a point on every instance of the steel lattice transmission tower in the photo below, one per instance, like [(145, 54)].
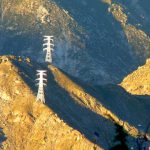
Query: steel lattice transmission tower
[(48, 47), (41, 74)]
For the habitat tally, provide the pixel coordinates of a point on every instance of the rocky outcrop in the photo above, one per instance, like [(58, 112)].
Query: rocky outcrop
[(138, 82)]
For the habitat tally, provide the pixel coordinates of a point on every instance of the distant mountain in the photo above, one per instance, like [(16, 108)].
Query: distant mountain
[(73, 113), (97, 41)]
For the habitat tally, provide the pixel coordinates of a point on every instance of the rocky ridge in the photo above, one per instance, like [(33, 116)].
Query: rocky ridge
[(29, 124)]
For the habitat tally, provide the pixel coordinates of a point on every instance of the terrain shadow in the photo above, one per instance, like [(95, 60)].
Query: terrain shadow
[(2, 137), (97, 22), (131, 108)]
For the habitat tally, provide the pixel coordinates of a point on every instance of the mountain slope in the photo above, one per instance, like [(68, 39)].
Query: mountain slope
[(109, 101), (92, 39), (29, 124), (73, 110)]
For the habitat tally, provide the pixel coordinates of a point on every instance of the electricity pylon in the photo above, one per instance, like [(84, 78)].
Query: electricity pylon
[(41, 83), (48, 47)]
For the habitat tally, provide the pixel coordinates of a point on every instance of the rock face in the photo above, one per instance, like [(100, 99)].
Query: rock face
[(73, 112), (93, 40), (138, 82)]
